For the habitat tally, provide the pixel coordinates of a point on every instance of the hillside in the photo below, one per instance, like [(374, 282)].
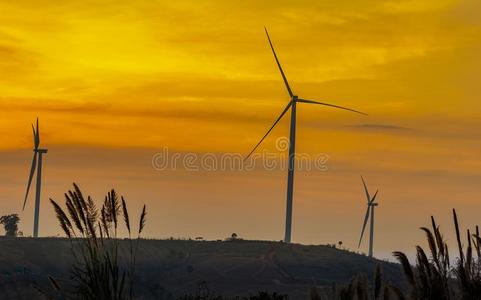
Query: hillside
[(169, 268)]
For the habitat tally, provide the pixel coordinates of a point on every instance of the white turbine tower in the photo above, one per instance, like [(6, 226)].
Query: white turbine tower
[(36, 164), (369, 214), (294, 99)]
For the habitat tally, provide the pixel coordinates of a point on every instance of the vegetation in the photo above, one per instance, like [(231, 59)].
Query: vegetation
[(99, 272), (10, 224), (434, 277), (204, 293), (358, 288)]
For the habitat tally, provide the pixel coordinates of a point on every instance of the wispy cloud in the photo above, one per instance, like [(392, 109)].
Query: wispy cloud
[(379, 127)]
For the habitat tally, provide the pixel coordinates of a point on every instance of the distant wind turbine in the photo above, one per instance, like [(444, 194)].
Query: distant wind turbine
[(36, 164), (369, 213), (294, 99)]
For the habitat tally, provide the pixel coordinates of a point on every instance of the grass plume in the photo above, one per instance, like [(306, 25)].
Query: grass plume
[(99, 272)]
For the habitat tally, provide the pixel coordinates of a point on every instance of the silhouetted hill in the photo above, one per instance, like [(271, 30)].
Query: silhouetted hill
[(167, 268)]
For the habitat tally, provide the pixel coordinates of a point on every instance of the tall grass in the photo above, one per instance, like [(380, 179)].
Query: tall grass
[(100, 272), (358, 288), (433, 277)]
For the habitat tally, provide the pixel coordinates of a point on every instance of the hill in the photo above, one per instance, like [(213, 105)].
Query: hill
[(171, 268)]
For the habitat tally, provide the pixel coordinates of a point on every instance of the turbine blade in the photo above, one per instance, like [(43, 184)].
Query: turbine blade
[(279, 65), (270, 129), (32, 171), (35, 146), (365, 189), (37, 136), (330, 105), (364, 226), (374, 197)]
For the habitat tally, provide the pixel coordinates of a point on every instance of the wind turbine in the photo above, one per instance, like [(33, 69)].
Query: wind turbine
[(36, 164), (294, 100), (369, 213)]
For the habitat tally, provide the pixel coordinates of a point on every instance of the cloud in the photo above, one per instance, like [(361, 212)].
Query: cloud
[(381, 127), (195, 112)]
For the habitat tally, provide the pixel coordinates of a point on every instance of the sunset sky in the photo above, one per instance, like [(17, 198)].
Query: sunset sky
[(115, 81)]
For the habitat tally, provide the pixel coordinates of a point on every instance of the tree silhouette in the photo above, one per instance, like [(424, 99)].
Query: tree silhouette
[(10, 223)]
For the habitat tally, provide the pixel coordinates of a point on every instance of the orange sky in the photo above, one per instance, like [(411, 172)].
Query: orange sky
[(115, 81)]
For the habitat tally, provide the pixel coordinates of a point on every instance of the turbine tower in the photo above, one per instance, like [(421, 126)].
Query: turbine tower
[(36, 164), (369, 214), (292, 104)]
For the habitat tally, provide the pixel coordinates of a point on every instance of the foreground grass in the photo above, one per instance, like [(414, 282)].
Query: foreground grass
[(99, 272)]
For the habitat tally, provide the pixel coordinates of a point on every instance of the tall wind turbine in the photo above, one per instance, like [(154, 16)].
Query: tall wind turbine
[(369, 214), (36, 164), (294, 99)]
